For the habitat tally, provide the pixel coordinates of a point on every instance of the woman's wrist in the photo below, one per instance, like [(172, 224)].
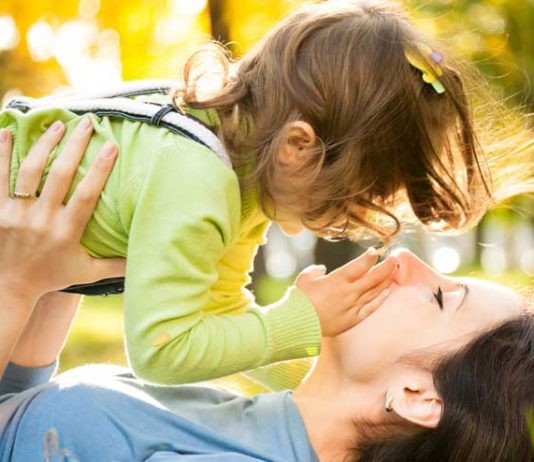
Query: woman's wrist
[(16, 309), (19, 297), (43, 337)]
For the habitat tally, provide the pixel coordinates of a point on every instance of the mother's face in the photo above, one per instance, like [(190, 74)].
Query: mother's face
[(412, 319)]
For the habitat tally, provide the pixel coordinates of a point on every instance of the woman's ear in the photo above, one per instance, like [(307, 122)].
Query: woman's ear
[(414, 398), (300, 136)]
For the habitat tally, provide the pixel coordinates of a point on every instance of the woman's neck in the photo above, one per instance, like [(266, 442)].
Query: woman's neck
[(330, 405)]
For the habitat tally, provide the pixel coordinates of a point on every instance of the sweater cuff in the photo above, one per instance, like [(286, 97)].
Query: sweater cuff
[(293, 328), (18, 378)]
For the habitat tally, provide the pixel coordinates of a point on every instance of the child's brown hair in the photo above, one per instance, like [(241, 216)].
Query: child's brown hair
[(387, 138)]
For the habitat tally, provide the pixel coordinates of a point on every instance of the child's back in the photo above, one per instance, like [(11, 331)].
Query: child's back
[(139, 145)]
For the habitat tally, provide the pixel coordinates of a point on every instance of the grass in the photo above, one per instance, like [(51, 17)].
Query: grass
[(97, 334)]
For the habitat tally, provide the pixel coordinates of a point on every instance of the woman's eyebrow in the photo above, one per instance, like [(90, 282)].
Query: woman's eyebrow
[(466, 292)]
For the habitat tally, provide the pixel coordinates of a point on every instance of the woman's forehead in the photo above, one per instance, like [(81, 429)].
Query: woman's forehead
[(491, 296)]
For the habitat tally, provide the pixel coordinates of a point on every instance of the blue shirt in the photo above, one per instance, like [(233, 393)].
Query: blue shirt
[(101, 413)]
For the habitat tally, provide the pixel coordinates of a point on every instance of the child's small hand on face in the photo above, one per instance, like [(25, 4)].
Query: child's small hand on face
[(349, 294)]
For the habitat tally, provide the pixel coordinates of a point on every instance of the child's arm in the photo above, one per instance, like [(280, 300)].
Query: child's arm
[(186, 215)]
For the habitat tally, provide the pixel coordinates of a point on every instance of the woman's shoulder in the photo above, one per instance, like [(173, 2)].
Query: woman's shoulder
[(108, 386)]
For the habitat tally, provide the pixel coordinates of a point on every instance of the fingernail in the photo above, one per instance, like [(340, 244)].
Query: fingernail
[(56, 126), (109, 150), (384, 293), (371, 251), (85, 123), (3, 135)]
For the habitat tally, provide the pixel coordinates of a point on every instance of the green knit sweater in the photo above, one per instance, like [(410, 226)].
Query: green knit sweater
[(190, 235)]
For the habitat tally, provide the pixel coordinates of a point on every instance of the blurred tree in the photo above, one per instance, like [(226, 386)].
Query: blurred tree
[(220, 27), (155, 35), (496, 34)]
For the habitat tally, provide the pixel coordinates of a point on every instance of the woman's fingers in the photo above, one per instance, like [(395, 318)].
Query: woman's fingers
[(83, 201), (5, 157), (46, 249), (65, 165), (31, 169)]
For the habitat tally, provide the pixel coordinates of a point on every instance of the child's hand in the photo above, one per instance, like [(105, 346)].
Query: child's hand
[(349, 294)]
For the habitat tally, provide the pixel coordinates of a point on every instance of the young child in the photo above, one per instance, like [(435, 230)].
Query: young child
[(341, 115)]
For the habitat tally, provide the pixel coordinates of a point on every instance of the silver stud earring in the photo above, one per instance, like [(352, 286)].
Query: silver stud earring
[(388, 404)]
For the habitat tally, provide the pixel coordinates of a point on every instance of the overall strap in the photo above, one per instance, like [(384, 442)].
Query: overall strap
[(117, 102)]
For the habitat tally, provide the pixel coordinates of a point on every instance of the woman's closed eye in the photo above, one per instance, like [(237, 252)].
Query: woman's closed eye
[(438, 296)]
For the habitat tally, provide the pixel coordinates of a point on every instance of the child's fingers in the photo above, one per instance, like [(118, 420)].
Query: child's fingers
[(356, 268), (84, 199), (312, 272), (369, 308), (64, 167), (5, 158), (375, 275), (353, 317), (32, 167), (371, 294)]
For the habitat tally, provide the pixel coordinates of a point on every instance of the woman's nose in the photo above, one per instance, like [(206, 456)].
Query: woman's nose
[(405, 268), (411, 270)]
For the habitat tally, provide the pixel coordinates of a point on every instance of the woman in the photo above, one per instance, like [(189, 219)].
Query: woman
[(442, 371)]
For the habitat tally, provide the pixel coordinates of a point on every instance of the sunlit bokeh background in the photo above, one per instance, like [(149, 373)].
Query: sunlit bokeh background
[(47, 46)]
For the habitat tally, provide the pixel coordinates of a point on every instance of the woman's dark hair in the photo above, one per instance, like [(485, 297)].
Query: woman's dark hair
[(487, 390)]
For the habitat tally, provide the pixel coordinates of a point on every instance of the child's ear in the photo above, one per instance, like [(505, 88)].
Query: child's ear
[(414, 398), (299, 137)]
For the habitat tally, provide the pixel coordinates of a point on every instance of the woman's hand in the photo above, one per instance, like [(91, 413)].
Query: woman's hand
[(40, 247)]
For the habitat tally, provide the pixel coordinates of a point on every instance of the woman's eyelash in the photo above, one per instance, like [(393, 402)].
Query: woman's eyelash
[(439, 298)]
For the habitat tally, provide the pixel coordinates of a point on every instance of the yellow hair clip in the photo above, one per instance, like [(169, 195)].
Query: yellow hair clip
[(427, 61)]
